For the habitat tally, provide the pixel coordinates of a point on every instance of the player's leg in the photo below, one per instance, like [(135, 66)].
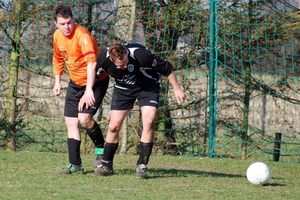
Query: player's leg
[(73, 140), (121, 103), (146, 141), (148, 101), (148, 117), (86, 120), (112, 141), (93, 130)]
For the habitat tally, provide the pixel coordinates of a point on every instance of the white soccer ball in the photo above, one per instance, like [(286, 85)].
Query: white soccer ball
[(258, 173)]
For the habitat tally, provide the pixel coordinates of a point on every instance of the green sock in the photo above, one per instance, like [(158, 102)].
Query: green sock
[(99, 151)]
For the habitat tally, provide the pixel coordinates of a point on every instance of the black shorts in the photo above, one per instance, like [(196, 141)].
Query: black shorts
[(124, 99), (74, 93)]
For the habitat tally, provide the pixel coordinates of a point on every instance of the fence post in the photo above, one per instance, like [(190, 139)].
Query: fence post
[(212, 78), (277, 142)]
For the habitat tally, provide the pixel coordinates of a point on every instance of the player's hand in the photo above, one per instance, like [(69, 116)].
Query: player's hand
[(81, 103), (89, 98), (57, 89), (180, 96)]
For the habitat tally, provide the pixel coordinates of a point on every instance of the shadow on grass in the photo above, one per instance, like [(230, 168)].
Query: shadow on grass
[(155, 173), (163, 173), (89, 171), (273, 185)]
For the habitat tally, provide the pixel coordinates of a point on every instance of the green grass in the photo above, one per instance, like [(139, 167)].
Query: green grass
[(32, 175)]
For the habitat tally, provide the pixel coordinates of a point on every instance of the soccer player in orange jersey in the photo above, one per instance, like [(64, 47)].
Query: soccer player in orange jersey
[(76, 49)]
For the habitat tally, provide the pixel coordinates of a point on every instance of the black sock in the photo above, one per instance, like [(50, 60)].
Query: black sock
[(96, 135), (74, 151), (109, 153), (145, 152)]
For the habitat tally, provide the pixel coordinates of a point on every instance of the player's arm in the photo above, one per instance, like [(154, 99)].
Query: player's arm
[(163, 67), (101, 58), (89, 51), (58, 68), (153, 62), (99, 69), (179, 93), (89, 93), (88, 98), (57, 85)]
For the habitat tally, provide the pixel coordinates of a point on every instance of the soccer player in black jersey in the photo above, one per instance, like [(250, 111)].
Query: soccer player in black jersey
[(137, 77)]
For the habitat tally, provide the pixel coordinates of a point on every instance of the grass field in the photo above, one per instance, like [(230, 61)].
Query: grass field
[(32, 175)]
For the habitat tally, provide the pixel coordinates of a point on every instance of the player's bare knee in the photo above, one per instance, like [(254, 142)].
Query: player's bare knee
[(86, 122), (114, 128)]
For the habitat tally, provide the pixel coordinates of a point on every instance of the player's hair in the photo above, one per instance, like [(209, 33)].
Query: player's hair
[(62, 10), (117, 50)]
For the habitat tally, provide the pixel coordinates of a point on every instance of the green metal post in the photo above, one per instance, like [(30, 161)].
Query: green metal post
[(212, 77)]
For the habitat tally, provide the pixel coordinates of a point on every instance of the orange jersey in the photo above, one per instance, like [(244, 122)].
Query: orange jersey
[(74, 52)]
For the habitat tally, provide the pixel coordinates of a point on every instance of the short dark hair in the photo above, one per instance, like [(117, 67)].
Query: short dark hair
[(117, 50), (62, 10)]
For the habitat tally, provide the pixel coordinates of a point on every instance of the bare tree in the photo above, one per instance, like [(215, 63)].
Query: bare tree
[(259, 25), (16, 27)]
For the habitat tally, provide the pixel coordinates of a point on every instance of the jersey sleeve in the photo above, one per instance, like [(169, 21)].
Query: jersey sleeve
[(101, 58), (150, 60), (57, 61), (88, 48)]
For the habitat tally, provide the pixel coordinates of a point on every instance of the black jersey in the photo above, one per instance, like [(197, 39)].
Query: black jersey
[(143, 69)]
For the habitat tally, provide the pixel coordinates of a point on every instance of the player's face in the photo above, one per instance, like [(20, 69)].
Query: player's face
[(65, 25), (121, 63)]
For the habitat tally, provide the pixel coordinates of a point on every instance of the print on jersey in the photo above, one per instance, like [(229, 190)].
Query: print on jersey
[(64, 55), (85, 41), (130, 67), (99, 71), (128, 79), (154, 63)]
